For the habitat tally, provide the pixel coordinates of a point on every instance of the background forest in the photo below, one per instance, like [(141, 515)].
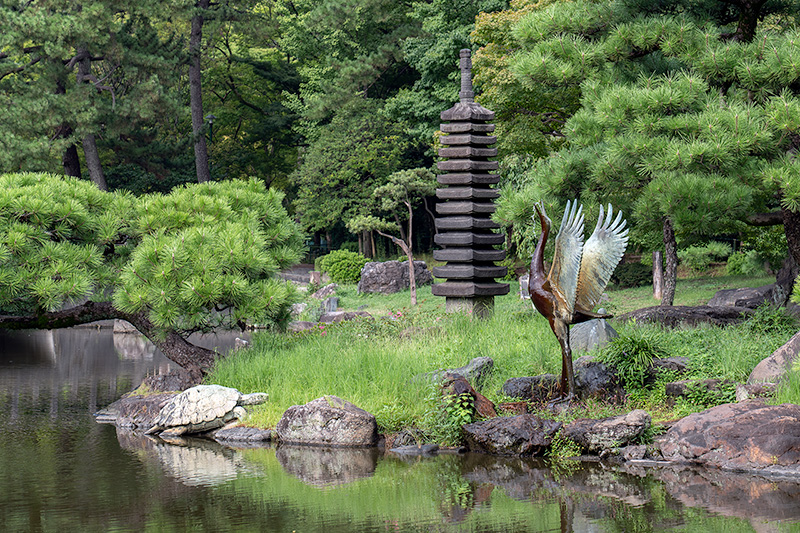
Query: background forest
[(683, 114)]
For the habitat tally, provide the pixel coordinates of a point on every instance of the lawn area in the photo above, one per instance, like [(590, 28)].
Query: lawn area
[(381, 364)]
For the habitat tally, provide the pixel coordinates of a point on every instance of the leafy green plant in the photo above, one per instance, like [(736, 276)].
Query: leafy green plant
[(698, 395), (631, 355), (562, 447), (770, 319), (744, 263), (699, 258), (343, 266)]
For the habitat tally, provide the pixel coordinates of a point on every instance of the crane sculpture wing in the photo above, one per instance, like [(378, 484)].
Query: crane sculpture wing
[(601, 255), (563, 276)]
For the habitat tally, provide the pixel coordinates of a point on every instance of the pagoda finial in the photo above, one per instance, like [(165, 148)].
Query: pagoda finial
[(466, 95)]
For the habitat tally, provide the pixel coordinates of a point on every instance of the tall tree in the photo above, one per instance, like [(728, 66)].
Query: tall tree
[(76, 75), (689, 114), (196, 92)]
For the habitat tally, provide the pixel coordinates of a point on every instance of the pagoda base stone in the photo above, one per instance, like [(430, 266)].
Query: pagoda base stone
[(479, 307)]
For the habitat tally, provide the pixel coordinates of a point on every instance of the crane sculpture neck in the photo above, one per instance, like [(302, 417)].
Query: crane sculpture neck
[(537, 261)]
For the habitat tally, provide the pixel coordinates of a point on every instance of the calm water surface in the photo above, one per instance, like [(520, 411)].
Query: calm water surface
[(61, 471)]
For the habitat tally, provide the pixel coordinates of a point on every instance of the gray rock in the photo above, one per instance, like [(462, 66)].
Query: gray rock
[(590, 335), (243, 434), (330, 304), (677, 365), (134, 412), (674, 316), (416, 450), (327, 421), (593, 378), (597, 436), (341, 316), (298, 309), (326, 291), (389, 277), (524, 293), (475, 371), (123, 326), (514, 435), (747, 297), (754, 390), (301, 325), (747, 436), (532, 388), (773, 368)]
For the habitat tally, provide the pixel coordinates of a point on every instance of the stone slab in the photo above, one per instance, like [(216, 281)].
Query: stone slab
[(468, 178), (466, 238), (465, 223), (468, 289), (464, 127), (466, 208), (457, 271), (468, 255), (466, 164), (465, 152), (467, 193), (459, 139)]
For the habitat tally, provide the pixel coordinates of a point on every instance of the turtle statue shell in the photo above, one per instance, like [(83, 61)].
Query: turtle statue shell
[(203, 408)]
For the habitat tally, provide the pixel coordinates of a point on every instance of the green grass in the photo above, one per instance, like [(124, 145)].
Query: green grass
[(379, 364)]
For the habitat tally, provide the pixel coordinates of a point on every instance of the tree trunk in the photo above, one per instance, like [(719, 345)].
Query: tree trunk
[(196, 96), (658, 275), (70, 160), (671, 263), (750, 11), (89, 143), (412, 279), (96, 173)]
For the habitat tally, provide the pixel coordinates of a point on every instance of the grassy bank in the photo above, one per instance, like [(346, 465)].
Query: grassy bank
[(380, 364)]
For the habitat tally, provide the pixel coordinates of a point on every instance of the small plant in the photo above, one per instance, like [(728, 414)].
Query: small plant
[(342, 266), (770, 319), (632, 354), (562, 447), (698, 395), (460, 408)]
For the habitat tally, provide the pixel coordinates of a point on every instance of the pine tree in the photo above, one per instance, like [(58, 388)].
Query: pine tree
[(689, 114), (200, 258)]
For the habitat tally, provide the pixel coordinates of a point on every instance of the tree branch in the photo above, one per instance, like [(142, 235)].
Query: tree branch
[(774, 218)]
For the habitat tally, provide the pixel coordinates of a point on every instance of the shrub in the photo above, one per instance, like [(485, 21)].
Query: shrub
[(342, 266), (632, 275), (631, 355), (745, 263), (698, 258)]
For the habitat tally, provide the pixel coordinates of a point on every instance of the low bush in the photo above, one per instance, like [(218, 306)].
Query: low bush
[(699, 258), (744, 263), (632, 275), (343, 266)]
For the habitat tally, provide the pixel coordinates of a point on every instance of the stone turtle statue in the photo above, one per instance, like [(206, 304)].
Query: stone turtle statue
[(203, 408)]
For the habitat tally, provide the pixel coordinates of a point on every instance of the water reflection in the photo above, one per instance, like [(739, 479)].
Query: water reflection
[(322, 467), (59, 470)]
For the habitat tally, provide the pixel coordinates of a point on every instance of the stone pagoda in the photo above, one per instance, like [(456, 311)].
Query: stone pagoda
[(464, 225)]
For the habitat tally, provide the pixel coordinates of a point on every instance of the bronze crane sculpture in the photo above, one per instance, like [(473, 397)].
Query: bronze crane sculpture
[(577, 278)]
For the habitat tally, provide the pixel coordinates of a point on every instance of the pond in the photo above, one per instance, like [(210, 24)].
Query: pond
[(62, 471)]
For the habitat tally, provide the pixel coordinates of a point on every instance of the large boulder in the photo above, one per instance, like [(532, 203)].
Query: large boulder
[(590, 335), (774, 367), (327, 421), (678, 315), (513, 435), (389, 277), (747, 436), (597, 436), (746, 297)]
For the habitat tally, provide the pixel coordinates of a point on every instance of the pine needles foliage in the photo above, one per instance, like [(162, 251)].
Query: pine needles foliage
[(200, 257)]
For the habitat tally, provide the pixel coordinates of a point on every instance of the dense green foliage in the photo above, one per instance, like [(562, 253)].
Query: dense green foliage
[(199, 257), (343, 266), (686, 120)]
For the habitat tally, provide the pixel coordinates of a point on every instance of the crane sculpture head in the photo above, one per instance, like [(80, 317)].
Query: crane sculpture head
[(569, 292)]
